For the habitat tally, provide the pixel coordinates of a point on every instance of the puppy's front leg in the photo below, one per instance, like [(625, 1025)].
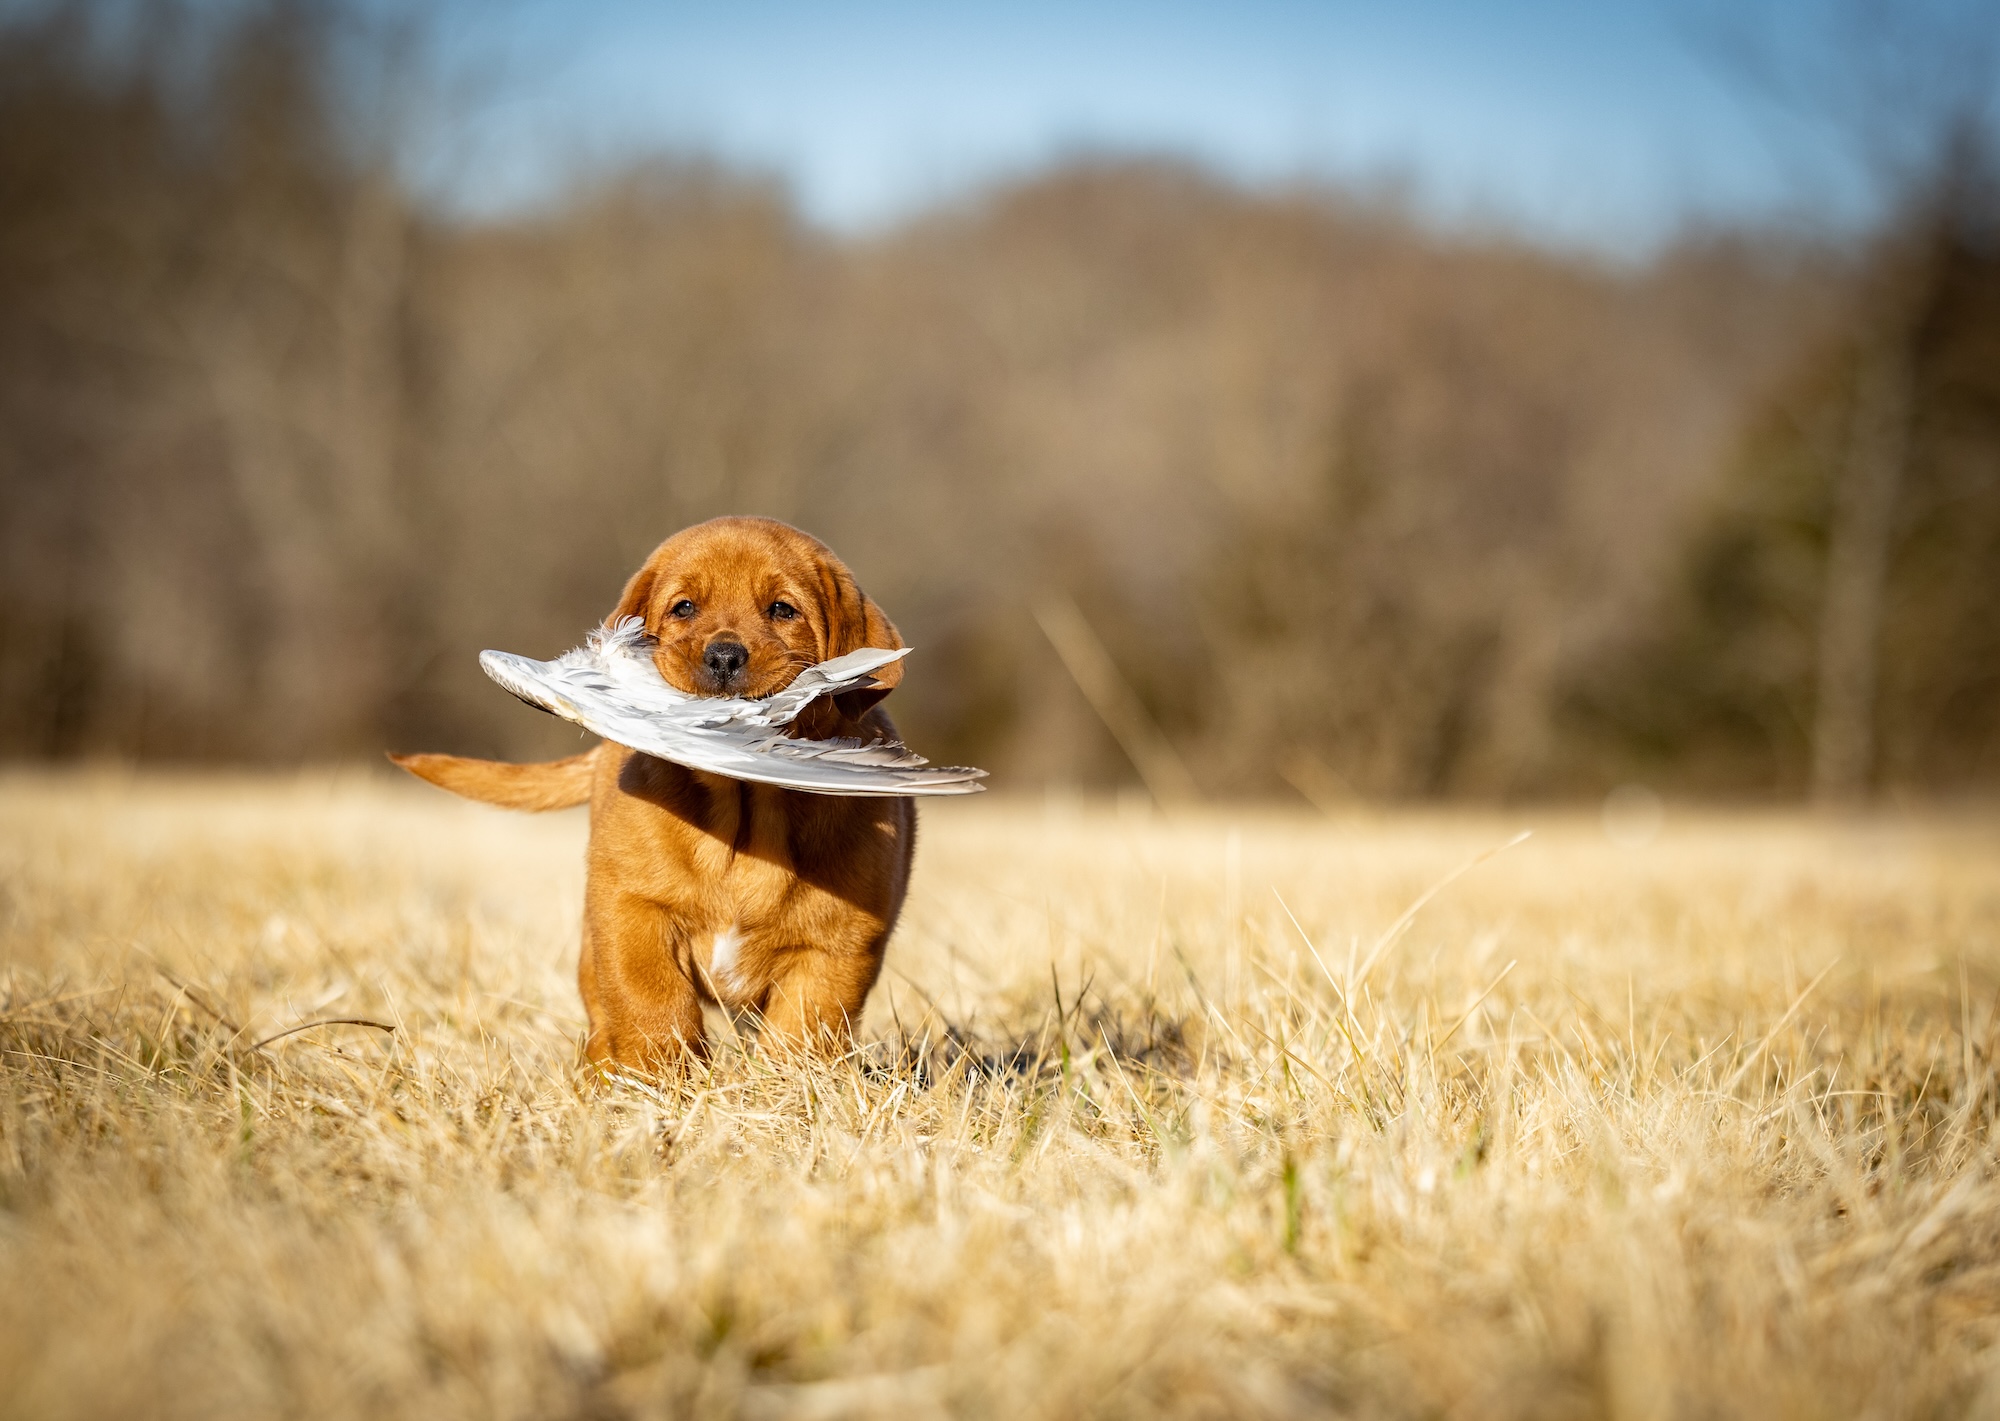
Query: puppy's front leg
[(645, 1015), (816, 998)]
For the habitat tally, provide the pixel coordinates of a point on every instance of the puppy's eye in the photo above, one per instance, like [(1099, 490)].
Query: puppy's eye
[(783, 611), (681, 610)]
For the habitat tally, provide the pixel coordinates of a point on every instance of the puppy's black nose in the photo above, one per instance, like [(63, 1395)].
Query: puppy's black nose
[(723, 659)]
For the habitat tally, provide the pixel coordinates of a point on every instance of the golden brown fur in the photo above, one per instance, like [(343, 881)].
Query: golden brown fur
[(703, 888)]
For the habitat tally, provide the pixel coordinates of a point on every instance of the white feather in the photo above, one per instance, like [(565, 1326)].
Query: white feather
[(611, 686)]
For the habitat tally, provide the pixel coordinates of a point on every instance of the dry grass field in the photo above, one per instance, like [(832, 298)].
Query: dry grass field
[(1699, 1128)]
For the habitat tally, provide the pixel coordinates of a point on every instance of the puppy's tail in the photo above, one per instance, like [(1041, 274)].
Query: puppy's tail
[(552, 784)]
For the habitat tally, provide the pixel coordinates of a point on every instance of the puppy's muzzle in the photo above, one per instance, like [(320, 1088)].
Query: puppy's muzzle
[(724, 662)]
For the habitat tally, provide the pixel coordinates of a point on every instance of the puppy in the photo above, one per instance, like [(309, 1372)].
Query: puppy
[(703, 888)]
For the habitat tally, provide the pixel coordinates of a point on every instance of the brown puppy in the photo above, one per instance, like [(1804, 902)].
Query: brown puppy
[(703, 888)]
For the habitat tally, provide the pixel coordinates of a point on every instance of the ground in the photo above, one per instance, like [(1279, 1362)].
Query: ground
[(1155, 1116)]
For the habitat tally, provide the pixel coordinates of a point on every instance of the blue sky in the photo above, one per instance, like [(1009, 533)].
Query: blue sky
[(1601, 125)]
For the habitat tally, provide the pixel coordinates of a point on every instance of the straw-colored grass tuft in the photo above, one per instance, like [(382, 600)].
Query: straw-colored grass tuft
[(1153, 1117)]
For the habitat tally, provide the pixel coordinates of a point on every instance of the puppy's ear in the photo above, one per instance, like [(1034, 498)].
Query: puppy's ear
[(852, 622), (637, 596)]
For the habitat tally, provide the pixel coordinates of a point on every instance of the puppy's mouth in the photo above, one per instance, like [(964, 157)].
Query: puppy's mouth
[(732, 687)]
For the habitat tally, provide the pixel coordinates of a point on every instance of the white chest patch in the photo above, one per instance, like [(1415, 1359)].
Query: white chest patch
[(723, 967)]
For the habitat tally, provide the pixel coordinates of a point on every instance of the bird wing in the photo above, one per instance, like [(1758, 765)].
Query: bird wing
[(610, 685)]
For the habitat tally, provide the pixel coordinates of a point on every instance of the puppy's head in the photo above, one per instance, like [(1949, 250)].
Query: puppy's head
[(739, 606)]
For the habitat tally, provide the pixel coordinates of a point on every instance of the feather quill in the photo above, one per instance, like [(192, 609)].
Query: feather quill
[(610, 685)]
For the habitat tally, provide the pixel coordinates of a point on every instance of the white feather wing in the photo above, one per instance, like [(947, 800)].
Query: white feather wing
[(610, 685)]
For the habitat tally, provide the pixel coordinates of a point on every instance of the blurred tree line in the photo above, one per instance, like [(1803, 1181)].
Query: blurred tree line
[(1348, 504)]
